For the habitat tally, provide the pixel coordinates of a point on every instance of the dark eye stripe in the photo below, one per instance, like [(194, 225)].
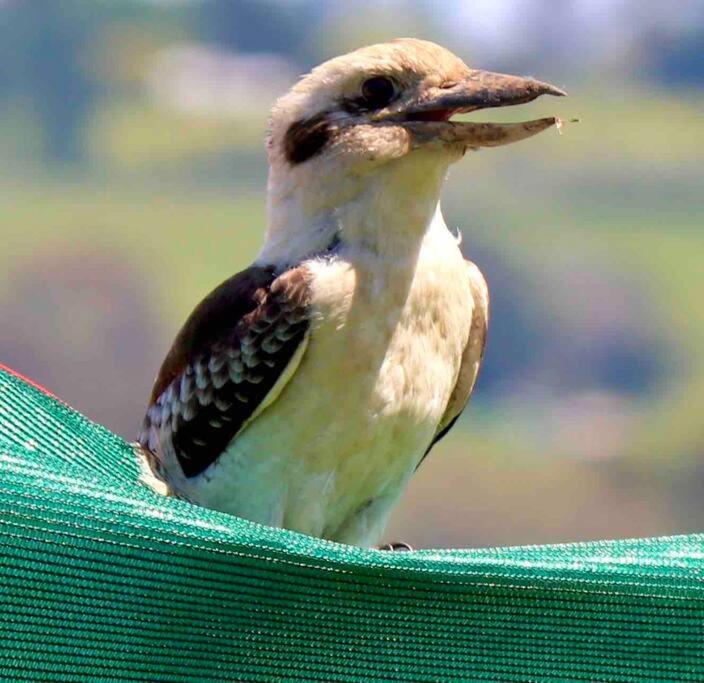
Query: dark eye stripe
[(307, 137)]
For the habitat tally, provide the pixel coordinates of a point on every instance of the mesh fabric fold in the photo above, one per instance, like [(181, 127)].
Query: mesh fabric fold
[(102, 579)]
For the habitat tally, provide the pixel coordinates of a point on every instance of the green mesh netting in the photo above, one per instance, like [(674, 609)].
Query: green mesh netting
[(103, 579)]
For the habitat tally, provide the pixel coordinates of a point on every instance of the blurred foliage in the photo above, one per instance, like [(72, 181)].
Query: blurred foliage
[(130, 137), (121, 207)]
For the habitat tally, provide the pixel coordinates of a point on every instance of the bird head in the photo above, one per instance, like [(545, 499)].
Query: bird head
[(381, 116)]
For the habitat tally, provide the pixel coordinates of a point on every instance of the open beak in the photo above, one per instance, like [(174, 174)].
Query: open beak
[(429, 119)]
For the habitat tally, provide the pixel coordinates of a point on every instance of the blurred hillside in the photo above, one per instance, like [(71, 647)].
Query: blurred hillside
[(133, 182)]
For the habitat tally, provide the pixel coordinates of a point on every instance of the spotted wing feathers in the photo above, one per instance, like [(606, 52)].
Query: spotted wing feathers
[(232, 354)]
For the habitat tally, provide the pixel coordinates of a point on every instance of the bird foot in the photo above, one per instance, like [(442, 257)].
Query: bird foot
[(398, 546)]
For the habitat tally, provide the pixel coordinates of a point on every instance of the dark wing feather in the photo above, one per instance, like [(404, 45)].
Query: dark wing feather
[(228, 356), (471, 358)]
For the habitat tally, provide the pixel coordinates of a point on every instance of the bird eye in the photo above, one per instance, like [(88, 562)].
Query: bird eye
[(378, 91)]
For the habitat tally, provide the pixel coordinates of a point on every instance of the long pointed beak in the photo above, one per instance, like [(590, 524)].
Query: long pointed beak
[(428, 120), (483, 90)]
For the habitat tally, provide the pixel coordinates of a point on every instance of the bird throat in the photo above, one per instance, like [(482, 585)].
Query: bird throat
[(384, 214)]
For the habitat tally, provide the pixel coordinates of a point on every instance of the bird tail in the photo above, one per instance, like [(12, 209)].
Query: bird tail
[(147, 474)]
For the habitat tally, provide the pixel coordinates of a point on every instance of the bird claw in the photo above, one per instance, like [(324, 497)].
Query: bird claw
[(398, 546)]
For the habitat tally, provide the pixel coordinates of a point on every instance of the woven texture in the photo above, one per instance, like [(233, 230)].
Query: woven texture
[(103, 579)]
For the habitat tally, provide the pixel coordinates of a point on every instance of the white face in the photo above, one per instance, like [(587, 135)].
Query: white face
[(384, 102)]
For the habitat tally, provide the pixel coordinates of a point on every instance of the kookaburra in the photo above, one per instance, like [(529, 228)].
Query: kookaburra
[(304, 391)]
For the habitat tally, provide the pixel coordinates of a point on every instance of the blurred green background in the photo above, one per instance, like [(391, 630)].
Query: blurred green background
[(132, 182)]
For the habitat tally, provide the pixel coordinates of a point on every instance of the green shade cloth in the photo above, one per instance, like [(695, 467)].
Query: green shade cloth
[(102, 579)]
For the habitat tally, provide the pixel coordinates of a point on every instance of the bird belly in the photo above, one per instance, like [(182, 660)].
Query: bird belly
[(333, 453)]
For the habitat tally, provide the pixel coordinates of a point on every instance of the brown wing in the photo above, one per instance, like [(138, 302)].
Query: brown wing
[(232, 351), (471, 358)]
